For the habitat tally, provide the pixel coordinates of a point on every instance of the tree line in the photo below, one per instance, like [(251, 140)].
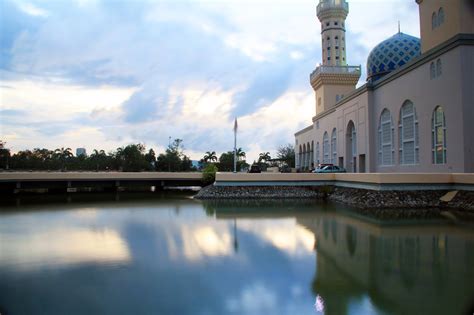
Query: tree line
[(132, 158)]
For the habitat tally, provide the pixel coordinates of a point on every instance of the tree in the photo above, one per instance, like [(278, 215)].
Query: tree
[(210, 156), (4, 155), (43, 159), (209, 174), (62, 155), (264, 157), (131, 158), (98, 159), (174, 160), (240, 154), (150, 157), (226, 161), (286, 153)]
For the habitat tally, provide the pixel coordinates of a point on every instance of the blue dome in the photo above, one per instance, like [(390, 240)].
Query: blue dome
[(392, 54)]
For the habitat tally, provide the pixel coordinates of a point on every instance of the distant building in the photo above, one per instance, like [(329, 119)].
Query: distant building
[(415, 112), (81, 151)]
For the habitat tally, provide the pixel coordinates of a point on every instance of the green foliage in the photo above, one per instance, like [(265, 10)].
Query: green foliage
[(132, 158), (62, 155), (4, 155), (209, 157), (174, 160), (286, 154), (226, 161), (209, 174), (264, 157)]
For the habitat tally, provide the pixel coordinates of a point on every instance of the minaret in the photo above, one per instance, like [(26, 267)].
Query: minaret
[(333, 79), (332, 15)]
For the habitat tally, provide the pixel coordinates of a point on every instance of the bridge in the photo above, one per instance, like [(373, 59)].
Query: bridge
[(42, 182)]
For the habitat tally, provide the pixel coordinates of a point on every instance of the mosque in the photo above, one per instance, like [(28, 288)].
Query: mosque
[(415, 113)]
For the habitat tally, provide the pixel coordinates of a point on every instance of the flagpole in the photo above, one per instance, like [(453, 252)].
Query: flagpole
[(235, 146)]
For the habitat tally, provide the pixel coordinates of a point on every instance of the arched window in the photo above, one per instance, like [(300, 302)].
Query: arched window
[(408, 135), (334, 146), (309, 155), (353, 134), (385, 139), (300, 156), (317, 153), (440, 16), (438, 123), (434, 22), (432, 71), (439, 67), (312, 155), (303, 156), (326, 158)]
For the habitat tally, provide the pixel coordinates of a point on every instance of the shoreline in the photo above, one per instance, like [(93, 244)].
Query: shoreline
[(358, 198)]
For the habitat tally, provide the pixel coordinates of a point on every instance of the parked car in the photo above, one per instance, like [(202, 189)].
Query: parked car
[(330, 169), (254, 169), (321, 166)]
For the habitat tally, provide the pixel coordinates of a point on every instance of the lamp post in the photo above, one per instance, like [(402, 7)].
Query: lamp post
[(169, 148), (235, 145)]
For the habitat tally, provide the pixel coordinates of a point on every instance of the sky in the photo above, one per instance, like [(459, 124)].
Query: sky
[(105, 74)]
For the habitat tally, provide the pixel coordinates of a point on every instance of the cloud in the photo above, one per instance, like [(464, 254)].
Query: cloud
[(32, 9), (264, 89), (142, 71)]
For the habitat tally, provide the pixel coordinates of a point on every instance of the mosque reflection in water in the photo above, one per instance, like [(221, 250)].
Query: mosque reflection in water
[(399, 267), (403, 268)]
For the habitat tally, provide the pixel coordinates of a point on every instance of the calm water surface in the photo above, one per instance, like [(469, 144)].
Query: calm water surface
[(169, 254)]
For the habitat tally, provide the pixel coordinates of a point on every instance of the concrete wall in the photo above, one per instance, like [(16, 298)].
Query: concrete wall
[(328, 93), (426, 93), (467, 98), (355, 110), (458, 18), (303, 140), (399, 181)]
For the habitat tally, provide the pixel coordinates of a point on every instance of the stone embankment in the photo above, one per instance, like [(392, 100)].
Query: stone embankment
[(262, 192), (363, 198), (358, 198)]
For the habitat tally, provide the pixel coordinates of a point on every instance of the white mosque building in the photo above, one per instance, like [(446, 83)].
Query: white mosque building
[(416, 111)]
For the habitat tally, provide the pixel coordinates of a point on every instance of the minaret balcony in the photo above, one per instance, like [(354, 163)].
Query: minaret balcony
[(332, 4), (354, 70), (335, 75)]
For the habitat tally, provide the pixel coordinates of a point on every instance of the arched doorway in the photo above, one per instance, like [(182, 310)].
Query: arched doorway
[(351, 148)]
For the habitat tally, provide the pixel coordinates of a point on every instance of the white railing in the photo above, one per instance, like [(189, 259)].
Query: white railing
[(355, 70), (332, 4)]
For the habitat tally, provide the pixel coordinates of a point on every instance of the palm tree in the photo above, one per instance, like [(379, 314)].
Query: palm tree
[(62, 155), (264, 157), (98, 157), (210, 156), (240, 154), (43, 154)]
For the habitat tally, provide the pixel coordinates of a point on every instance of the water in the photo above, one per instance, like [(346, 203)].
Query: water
[(169, 254)]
